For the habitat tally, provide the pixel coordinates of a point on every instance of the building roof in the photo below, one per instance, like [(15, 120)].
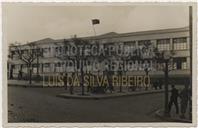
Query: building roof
[(46, 40), (149, 32), (116, 35)]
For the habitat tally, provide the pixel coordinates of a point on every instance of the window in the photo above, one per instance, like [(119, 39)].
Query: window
[(33, 50), (59, 67), (144, 48), (130, 44), (60, 49), (13, 52), (88, 63), (42, 52), (180, 63), (144, 42), (13, 66), (56, 49), (163, 44), (38, 50), (35, 65), (22, 51), (70, 64), (66, 48), (59, 64), (184, 65), (46, 65), (180, 43), (45, 50)]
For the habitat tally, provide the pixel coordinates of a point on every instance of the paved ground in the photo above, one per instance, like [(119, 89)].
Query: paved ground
[(107, 95), (41, 105)]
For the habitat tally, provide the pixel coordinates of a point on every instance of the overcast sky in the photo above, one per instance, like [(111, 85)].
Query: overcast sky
[(24, 23)]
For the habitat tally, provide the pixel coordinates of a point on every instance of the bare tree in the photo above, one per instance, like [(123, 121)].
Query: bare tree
[(79, 56), (165, 58), (28, 54)]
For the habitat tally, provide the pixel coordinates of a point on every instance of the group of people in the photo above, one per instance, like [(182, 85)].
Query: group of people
[(185, 98), (157, 84)]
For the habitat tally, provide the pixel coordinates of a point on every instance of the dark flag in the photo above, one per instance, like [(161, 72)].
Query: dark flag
[(95, 21)]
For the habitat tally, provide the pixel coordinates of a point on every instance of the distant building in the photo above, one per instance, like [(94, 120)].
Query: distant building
[(176, 40)]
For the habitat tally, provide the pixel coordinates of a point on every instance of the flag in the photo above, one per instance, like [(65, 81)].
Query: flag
[(95, 21)]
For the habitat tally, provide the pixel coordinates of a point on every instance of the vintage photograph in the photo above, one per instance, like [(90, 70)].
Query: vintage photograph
[(93, 63)]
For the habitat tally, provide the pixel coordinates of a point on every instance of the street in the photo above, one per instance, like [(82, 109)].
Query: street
[(42, 105)]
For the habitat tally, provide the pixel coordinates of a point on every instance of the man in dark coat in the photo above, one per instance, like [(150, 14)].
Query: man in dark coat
[(173, 99), (184, 96)]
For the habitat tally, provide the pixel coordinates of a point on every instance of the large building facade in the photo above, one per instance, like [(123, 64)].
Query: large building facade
[(52, 60)]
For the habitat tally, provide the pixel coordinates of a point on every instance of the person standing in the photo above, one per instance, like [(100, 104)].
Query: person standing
[(190, 103), (65, 80), (20, 74), (71, 86), (155, 84), (173, 99), (184, 96)]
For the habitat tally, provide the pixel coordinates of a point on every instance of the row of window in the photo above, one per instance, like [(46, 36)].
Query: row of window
[(179, 63), (162, 44), (178, 44)]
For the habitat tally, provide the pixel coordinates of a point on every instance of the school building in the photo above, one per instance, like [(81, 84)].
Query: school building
[(51, 61)]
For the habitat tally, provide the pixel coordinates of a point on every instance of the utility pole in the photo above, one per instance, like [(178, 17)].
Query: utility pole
[(190, 40), (166, 88), (37, 64)]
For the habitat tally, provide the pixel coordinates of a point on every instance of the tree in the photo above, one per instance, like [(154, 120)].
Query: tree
[(148, 50), (80, 44), (164, 57), (28, 54), (78, 57)]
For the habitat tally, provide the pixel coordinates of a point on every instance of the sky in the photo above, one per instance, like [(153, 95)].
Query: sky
[(30, 22)]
